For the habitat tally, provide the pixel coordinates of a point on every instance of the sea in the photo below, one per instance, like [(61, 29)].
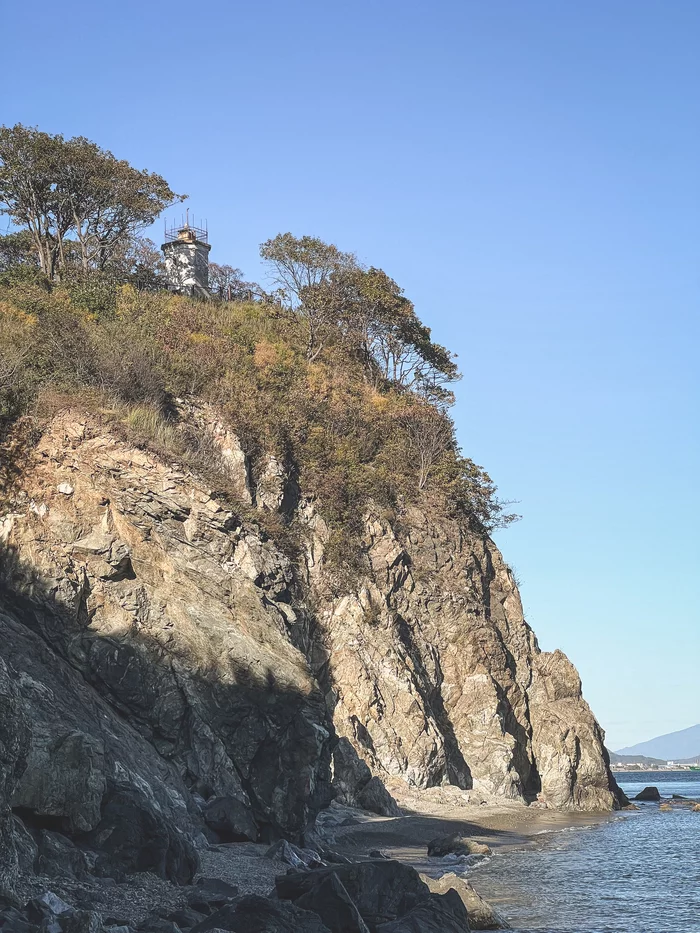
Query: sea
[(638, 872)]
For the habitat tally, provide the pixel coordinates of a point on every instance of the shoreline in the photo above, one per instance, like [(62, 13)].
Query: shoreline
[(501, 825)]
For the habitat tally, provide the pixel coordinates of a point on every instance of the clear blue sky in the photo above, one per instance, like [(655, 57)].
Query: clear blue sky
[(529, 171)]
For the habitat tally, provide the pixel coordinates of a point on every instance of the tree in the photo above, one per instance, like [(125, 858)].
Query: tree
[(75, 198), (300, 267), (430, 434), (30, 165), (17, 249), (108, 199), (227, 283)]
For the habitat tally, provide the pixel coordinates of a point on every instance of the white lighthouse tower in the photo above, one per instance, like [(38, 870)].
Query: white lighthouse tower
[(186, 251)]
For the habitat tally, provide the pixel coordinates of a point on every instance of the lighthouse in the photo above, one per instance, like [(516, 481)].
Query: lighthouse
[(186, 251)]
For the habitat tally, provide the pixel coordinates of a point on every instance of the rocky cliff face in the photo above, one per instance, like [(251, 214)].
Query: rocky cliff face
[(157, 651)]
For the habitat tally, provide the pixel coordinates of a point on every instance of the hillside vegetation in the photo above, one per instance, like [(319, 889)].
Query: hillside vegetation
[(332, 372)]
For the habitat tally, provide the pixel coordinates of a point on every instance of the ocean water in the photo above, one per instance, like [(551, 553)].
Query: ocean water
[(636, 873)]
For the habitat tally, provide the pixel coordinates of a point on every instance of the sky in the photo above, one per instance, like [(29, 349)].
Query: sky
[(529, 172)]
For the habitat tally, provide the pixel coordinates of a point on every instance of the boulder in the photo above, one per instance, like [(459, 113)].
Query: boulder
[(295, 856), (133, 836), (230, 819), (439, 913), (209, 894), (254, 914), (649, 794), (58, 857), (481, 914), (381, 890), (333, 904), (456, 844)]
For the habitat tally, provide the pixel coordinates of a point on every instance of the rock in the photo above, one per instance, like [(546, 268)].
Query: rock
[(209, 894), (482, 915), (450, 685), (333, 904), (376, 798), (81, 921), (253, 914), (649, 794), (46, 905), (294, 855), (439, 913), (65, 489), (696, 808), (231, 820), (355, 786), (66, 779), (456, 844), (187, 917), (58, 857), (14, 921), (381, 890), (14, 747), (666, 808), (132, 836)]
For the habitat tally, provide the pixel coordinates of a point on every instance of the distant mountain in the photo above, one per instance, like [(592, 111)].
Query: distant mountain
[(672, 747), (616, 759)]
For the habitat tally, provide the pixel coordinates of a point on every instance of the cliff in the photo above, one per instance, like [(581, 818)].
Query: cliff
[(160, 651)]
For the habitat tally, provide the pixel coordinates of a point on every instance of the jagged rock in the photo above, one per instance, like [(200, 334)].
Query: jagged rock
[(381, 890), (66, 779), (355, 785), (190, 646), (253, 914), (230, 819), (58, 857), (437, 677), (25, 846), (14, 921), (376, 798), (187, 917), (482, 915), (333, 904), (456, 844), (81, 921), (209, 894), (649, 794), (293, 855), (439, 913), (132, 836), (14, 747)]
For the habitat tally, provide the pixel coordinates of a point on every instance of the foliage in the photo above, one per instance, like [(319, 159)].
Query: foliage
[(77, 201), (350, 441)]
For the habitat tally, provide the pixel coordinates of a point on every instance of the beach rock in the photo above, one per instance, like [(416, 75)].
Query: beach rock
[(649, 794), (439, 913), (333, 904), (381, 890), (666, 808), (293, 855), (230, 819), (254, 914), (456, 844), (133, 836), (482, 916), (210, 894)]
